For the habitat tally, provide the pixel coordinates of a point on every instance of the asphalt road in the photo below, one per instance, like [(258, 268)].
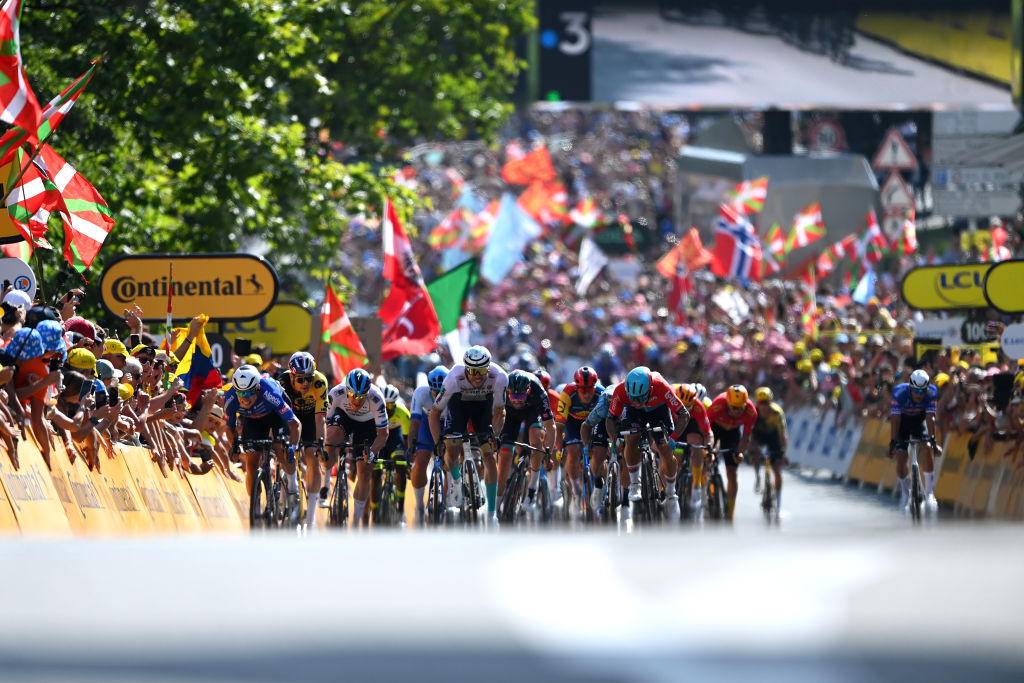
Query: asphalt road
[(638, 56), (843, 589)]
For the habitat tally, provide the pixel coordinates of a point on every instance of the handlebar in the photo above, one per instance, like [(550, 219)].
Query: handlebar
[(520, 444), (649, 430)]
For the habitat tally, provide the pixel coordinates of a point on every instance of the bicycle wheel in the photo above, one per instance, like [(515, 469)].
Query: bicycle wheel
[(387, 511), (915, 492), (339, 499), (544, 505), (612, 498), (586, 507), (260, 508), (647, 487), (471, 489), (508, 507), (566, 489), (716, 509), (435, 501), (684, 490), (768, 493)]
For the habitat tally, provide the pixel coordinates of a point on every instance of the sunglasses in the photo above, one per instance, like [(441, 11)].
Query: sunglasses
[(519, 397), (476, 372), (916, 391), (246, 394), (304, 380), (355, 397)]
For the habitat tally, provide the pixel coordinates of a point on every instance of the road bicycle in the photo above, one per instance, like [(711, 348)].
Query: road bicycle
[(649, 505), (916, 501), (472, 490), (511, 504), (715, 497), (684, 479), (269, 503), (388, 512), (769, 487), (338, 509)]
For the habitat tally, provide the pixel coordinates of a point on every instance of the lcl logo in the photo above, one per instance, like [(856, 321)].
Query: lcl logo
[(962, 280)]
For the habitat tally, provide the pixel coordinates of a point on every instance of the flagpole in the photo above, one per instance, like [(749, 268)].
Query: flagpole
[(170, 299), (320, 344), (39, 280)]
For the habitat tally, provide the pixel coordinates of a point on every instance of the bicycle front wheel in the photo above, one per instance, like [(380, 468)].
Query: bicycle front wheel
[(544, 505), (470, 493), (260, 507), (510, 500), (647, 487), (916, 497), (435, 501), (768, 494), (586, 496), (614, 485), (339, 500)]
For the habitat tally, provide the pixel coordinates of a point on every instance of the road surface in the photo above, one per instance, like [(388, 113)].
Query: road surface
[(844, 589), (638, 56)]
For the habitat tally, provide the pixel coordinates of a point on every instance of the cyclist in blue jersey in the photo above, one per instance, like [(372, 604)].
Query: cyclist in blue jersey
[(421, 441), (913, 409), (594, 436), (259, 401)]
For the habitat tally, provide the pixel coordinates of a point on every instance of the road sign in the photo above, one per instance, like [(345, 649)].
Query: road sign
[(894, 154), (965, 204), (896, 194), (826, 136)]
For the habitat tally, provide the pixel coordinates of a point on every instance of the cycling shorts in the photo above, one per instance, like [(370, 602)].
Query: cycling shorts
[(599, 436), (461, 413), (634, 418), (572, 432), (516, 420), (772, 442), (308, 422), (263, 427), (911, 428), (395, 443), (362, 433), (729, 438)]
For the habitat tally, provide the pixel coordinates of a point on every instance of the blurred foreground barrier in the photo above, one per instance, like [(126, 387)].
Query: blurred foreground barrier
[(127, 495), (818, 444)]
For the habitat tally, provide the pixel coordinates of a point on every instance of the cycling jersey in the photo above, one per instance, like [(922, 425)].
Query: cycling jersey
[(661, 394), (268, 400), (399, 417), (456, 383), (718, 414), (771, 421), (699, 418), (599, 412), (536, 400), (313, 402), (572, 405), (904, 404), (372, 408)]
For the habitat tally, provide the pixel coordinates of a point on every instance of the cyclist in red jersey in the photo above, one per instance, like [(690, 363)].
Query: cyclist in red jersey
[(645, 397), (697, 433), (732, 415)]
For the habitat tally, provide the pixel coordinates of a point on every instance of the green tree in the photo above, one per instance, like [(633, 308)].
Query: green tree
[(256, 125)]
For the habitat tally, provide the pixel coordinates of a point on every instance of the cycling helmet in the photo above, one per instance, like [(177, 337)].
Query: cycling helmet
[(585, 377), (245, 378), (764, 394), (638, 384), (476, 357), (686, 393), (302, 363), (519, 382), (358, 382), (545, 378), (919, 380), (736, 396), (701, 391), (435, 380), (391, 394), (607, 350)]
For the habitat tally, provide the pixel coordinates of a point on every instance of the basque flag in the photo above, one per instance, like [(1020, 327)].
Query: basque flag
[(737, 252)]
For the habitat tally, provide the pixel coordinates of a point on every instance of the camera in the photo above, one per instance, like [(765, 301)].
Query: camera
[(113, 396), (101, 399), (54, 364)]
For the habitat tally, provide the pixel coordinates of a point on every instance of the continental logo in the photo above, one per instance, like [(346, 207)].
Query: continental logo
[(934, 288), (223, 286), (1002, 287)]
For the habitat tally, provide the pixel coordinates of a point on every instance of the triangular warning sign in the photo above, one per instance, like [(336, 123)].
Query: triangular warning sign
[(894, 154), (895, 193)]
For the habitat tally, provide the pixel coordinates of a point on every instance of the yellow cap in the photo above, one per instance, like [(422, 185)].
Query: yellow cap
[(805, 365), (125, 391), (82, 359), (799, 348), (254, 359), (940, 379), (862, 340), (964, 364), (758, 336), (816, 355)]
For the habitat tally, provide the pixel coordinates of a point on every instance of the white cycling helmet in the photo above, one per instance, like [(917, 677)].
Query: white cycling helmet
[(391, 394), (919, 379), (476, 357), (702, 392), (245, 378)]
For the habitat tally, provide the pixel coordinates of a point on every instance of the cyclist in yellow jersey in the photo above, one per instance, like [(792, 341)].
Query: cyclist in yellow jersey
[(305, 389), (399, 419), (770, 432)]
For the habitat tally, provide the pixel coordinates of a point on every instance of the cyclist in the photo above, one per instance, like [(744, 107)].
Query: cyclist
[(421, 442), (357, 410), (473, 391), (697, 433), (259, 402), (645, 397), (305, 389), (574, 405), (912, 410), (594, 437), (732, 415), (769, 432), (526, 406), (545, 379), (399, 422)]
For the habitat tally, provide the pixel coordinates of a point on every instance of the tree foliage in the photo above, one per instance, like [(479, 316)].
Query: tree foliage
[(259, 125)]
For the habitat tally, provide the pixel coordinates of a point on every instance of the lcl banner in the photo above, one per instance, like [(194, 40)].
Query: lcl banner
[(1004, 286), (936, 288)]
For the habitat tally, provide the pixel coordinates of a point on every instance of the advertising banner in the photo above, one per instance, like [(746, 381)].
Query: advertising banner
[(1002, 286), (935, 288)]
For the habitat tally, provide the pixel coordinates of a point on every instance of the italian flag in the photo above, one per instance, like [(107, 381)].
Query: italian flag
[(748, 197), (87, 218), (52, 115), (808, 227), (344, 347), (18, 104)]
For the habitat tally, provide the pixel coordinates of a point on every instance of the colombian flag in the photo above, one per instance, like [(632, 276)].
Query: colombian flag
[(196, 368)]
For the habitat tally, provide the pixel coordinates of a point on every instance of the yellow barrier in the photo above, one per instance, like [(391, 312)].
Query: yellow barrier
[(877, 452), (135, 514), (977, 42), (31, 492), (8, 522), (954, 464), (860, 457), (218, 508), (139, 466), (239, 496)]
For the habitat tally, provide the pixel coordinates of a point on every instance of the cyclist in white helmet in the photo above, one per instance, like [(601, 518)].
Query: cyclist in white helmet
[(912, 416)]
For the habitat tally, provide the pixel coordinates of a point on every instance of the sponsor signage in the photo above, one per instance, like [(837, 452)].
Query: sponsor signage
[(946, 329), (285, 328), (19, 273), (223, 286), (1003, 286), (936, 288), (1012, 341), (967, 204)]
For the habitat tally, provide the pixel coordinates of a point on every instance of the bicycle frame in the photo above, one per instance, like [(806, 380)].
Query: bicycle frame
[(916, 486), (649, 489)]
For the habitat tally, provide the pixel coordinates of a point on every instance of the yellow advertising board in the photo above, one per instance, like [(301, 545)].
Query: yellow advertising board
[(125, 495), (935, 288), (1002, 286), (285, 328), (180, 500), (31, 493), (954, 463), (217, 506), (223, 286), (8, 522), (239, 496), (140, 469)]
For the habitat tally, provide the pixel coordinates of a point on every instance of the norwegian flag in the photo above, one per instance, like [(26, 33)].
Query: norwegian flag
[(737, 252)]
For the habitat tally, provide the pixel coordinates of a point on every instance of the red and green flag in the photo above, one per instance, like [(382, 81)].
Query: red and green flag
[(748, 197), (809, 306), (31, 197), (52, 115), (774, 248), (906, 242), (808, 227), (18, 104), (446, 234), (344, 347), (87, 218)]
